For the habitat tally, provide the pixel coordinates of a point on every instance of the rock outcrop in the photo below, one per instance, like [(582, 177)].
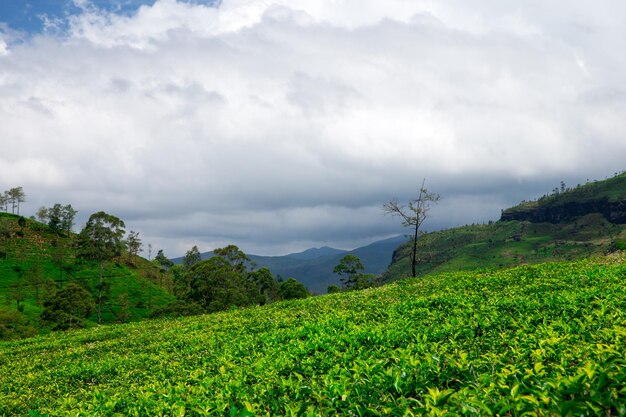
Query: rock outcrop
[(613, 211)]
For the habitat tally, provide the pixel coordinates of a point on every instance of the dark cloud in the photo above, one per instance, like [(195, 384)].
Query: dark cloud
[(282, 125)]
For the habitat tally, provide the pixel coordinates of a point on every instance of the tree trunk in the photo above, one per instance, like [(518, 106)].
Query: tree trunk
[(418, 213), (100, 295), (414, 257)]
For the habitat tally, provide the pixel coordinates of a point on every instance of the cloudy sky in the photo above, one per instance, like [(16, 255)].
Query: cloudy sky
[(279, 125)]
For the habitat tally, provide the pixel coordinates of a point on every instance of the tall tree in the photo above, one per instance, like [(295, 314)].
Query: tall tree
[(5, 234), (123, 314), (42, 214), (4, 201), (292, 289), (235, 257), (60, 218), (413, 216), (266, 285), (214, 285), (191, 257), (34, 276), (162, 260), (15, 197), (349, 268), (101, 239), (61, 251), (67, 219), (134, 245), (18, 293)]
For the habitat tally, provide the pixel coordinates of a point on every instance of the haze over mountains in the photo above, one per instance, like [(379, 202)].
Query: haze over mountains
[(314, 267)]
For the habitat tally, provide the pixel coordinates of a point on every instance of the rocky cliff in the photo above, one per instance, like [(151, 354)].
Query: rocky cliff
[(613, 211)]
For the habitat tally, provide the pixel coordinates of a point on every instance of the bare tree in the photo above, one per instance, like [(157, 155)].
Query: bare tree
[(413, 216), (133, 242)]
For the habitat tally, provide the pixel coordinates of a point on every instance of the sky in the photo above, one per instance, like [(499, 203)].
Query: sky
[(280, 125)]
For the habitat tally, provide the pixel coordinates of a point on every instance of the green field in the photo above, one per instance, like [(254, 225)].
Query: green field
[(548, 339)]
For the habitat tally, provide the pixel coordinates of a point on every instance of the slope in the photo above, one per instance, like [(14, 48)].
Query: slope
[(546, 339), (607, 197), (571, 224), (25, 245)]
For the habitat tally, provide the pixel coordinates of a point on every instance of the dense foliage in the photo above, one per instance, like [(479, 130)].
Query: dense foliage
[(68, 307), (225, 281), (535, 340)]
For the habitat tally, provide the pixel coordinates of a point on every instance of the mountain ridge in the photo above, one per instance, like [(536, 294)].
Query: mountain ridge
[(314, 267), (313, 253)]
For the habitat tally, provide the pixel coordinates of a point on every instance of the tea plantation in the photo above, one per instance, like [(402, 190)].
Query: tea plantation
[(548, 339)]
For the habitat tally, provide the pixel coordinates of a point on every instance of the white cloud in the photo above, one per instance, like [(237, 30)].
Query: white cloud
[(285, 123)]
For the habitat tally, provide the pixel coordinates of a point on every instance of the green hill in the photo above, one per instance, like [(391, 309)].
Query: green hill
[(607, 197), (533, 340), (134, 287), (585, 221)]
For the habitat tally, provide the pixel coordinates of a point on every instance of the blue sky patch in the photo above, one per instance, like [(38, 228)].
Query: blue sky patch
[(29, 15)]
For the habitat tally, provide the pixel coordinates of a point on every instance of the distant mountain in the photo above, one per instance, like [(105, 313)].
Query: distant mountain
[(317, 253), (314, 267)]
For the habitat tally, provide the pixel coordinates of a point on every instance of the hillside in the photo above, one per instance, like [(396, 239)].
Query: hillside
[(585, 221), (607, 197), (540, 340), (132, 289)]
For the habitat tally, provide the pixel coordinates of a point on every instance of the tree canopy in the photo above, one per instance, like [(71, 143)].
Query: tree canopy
[(292, 289), (101, 239), (68, 307)]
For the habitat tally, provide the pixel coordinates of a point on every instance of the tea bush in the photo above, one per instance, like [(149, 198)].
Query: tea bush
[(534, 340)]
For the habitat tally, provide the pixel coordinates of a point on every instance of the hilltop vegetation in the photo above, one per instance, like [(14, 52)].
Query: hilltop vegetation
[(36, 261), (546, 339), (607, 197), (568, 224)]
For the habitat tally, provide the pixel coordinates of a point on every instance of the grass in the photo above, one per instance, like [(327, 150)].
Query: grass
[(536, 340)]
